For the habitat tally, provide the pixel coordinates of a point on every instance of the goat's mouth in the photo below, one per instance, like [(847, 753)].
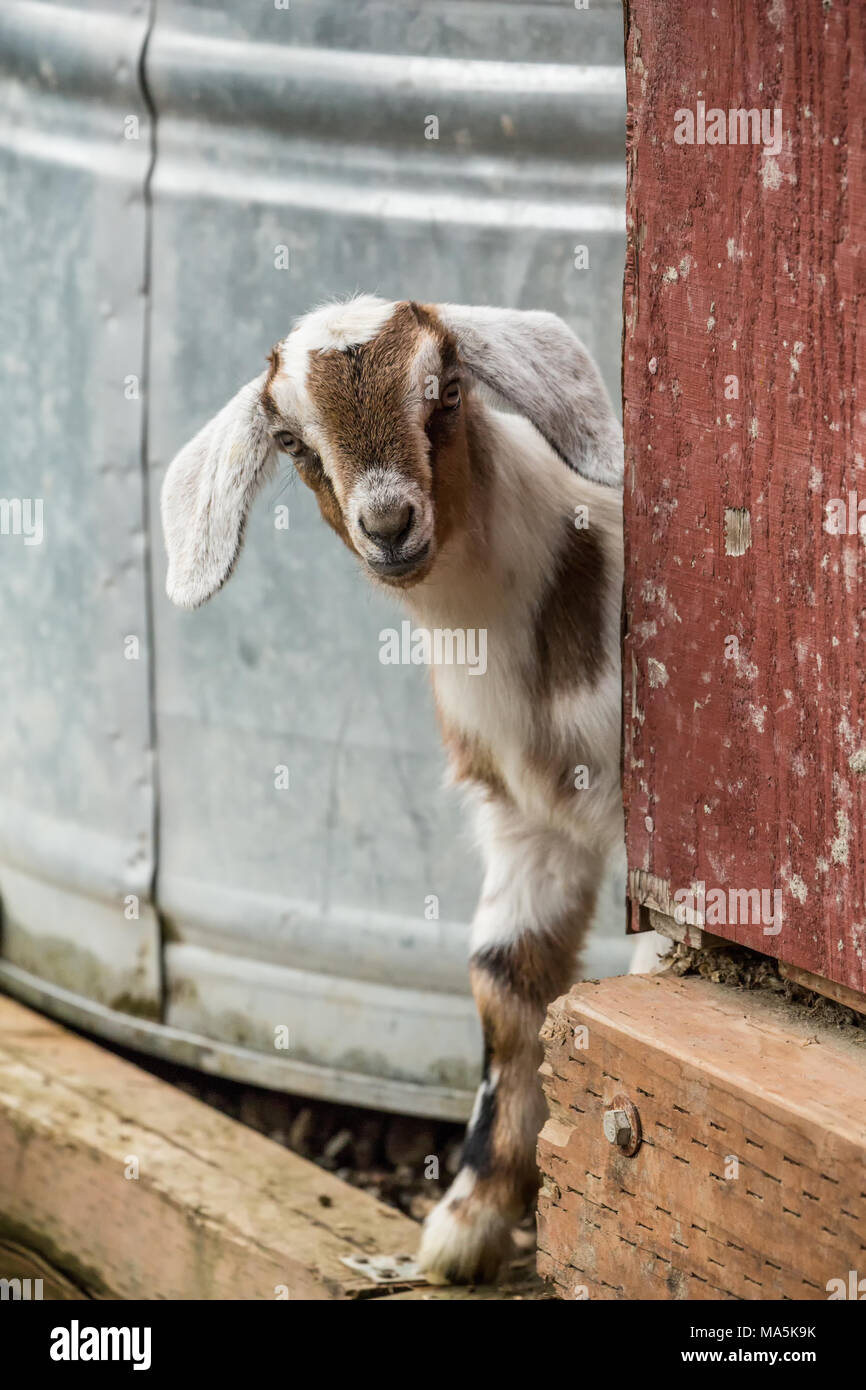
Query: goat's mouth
[(402, 566)]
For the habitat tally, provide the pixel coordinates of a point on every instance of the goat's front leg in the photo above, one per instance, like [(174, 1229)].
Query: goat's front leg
[(538, 897)]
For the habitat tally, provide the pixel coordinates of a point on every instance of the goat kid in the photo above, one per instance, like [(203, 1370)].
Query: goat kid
[(478, 517)]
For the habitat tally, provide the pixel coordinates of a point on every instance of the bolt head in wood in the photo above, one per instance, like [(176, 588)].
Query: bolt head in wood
[(617, 1129), (622, 1125)]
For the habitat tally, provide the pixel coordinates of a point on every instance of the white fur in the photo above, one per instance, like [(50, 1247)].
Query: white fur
[(650, 953), (456, 1249), (335, 326), (499, 588), (207, 493), (533, 877)]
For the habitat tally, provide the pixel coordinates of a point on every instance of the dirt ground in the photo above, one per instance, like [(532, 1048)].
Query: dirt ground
[(741, 968)]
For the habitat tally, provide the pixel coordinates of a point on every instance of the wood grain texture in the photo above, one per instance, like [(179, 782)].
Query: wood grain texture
[(37, 1279), (217, 1211), (716, 1075), (746, 272)]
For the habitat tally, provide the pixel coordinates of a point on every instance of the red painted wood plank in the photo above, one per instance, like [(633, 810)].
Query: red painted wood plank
[(745, 417)]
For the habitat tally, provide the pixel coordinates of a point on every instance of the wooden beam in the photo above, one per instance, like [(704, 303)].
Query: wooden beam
[(749, 1182), (685, 932), (217, 1211), (28, 1276)]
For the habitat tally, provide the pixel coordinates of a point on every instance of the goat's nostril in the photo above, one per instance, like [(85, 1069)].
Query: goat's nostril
[(408, 518), (389, 526)]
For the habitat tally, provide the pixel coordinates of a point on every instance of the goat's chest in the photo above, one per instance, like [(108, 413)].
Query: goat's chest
[(502, 733)]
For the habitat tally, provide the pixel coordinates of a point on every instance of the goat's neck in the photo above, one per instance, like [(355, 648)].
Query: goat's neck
[(494, 567)]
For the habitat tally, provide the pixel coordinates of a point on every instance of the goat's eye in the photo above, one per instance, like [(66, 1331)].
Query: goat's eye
[(289, 443), (451, 395)]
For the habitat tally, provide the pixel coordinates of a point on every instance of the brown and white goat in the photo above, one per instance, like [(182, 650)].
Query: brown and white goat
[(477, 517)]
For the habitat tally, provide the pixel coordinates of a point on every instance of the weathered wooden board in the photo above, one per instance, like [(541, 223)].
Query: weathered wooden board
[(216, 1212), (745, 425), (30, 1277), (749, 1181)]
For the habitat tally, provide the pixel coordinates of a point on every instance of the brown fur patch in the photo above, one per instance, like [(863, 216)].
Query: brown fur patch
[(318, 481), (459, 456), (568, 626), (470, 760), (361, 394), (533, 969), (372, 418), (513, 985), (558, 769), (469, 501), (269, 405)]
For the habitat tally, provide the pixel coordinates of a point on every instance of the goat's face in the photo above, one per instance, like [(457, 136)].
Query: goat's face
[(368, 400), (373, 401)]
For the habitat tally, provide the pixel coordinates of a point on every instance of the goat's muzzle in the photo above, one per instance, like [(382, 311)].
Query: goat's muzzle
[(391, 525)]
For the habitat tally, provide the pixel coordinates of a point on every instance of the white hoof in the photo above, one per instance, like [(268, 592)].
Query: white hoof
[(464, 1241)]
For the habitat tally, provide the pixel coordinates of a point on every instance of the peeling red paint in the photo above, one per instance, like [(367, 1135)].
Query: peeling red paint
[(744, 347)]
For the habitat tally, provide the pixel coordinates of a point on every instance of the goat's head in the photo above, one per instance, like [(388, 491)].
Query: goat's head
[(367, 398), (370, 399)]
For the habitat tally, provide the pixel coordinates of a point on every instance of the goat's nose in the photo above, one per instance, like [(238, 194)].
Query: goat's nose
[(388, 525)]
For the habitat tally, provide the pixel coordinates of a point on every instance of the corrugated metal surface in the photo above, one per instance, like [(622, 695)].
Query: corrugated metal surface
[(304, 129), (76, 791)]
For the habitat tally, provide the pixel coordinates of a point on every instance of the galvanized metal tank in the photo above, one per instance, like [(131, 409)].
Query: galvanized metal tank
[(177, 183)]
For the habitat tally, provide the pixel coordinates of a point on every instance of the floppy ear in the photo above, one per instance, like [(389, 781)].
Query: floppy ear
[(534, 362), (207, 493)]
